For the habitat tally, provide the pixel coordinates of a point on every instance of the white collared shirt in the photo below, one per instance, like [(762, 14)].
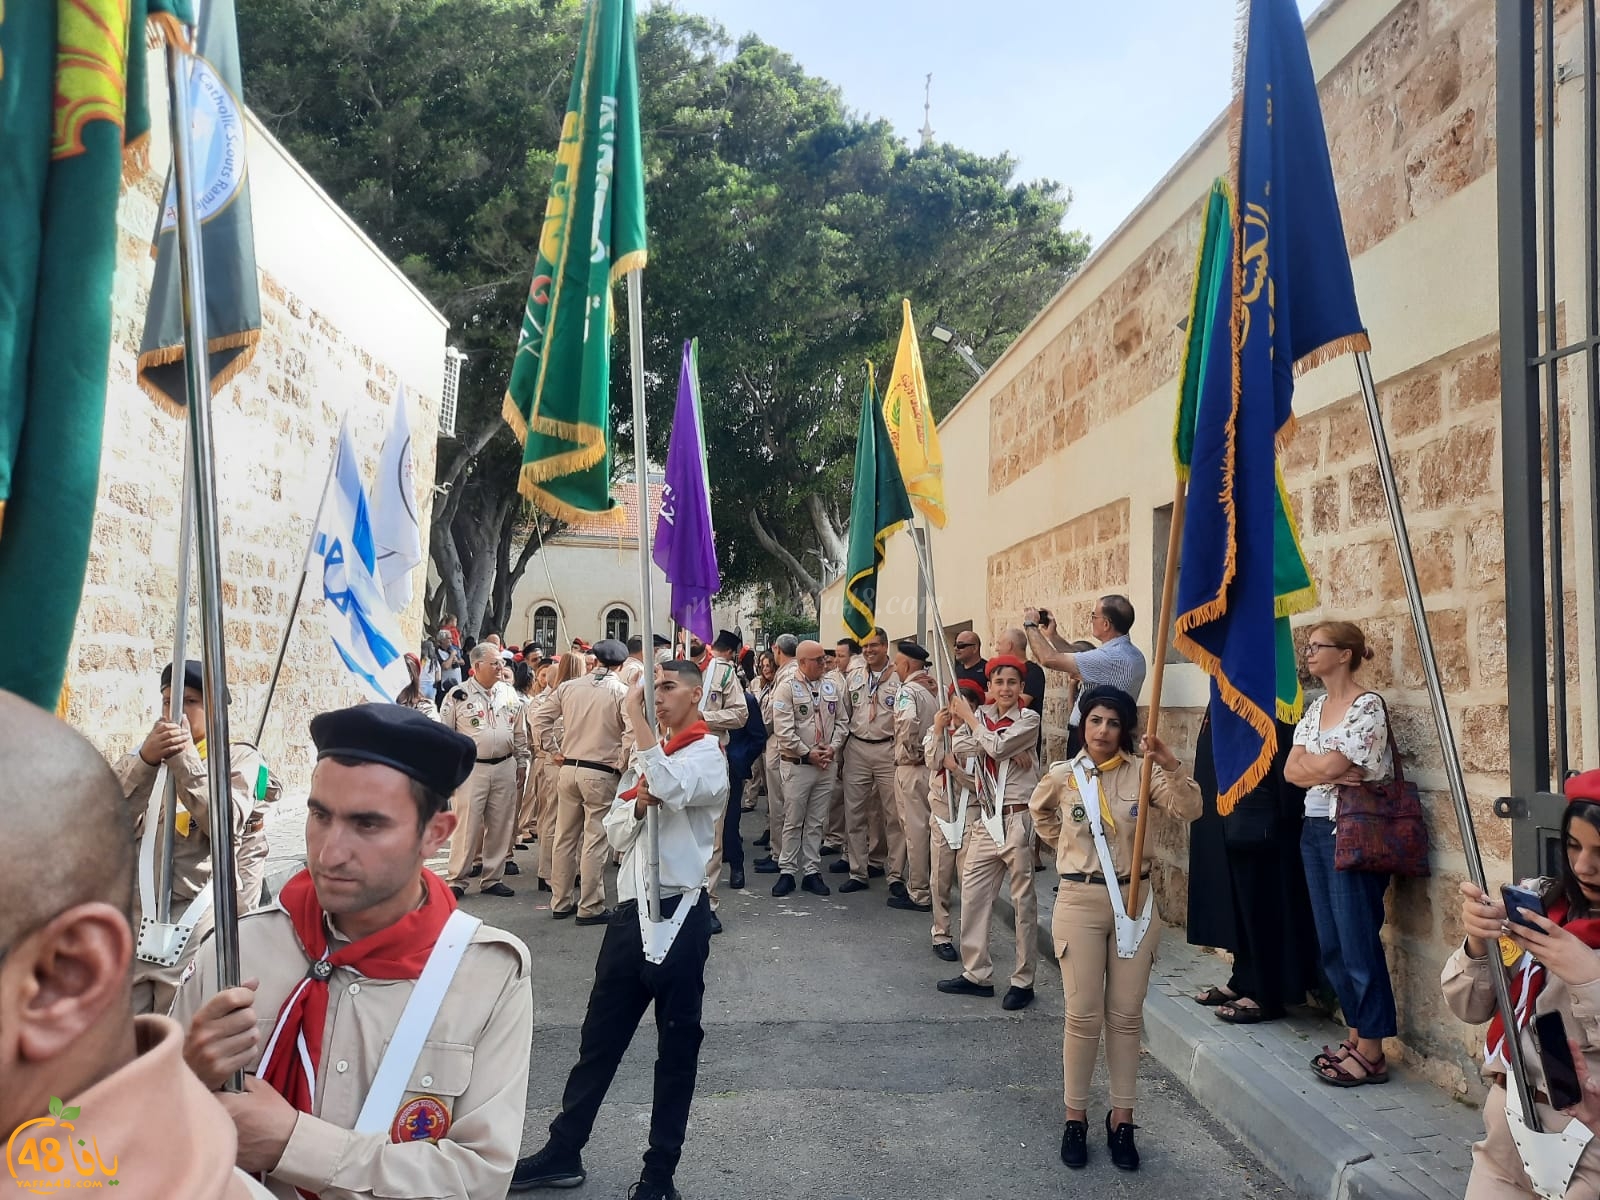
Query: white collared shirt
[(692, 786)]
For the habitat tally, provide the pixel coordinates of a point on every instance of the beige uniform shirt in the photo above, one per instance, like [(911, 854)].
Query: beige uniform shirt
[(474, 1064), (590, 712), (868, 708), (488, 717), (1014, 745), (1061, 817), (806, 715), (722, 701), (630, 672), (914, 707)]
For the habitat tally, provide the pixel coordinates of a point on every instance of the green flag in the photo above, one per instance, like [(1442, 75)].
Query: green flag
[(227, 235), (878, 507), (72, 112), (1207, 331), (559, 398)]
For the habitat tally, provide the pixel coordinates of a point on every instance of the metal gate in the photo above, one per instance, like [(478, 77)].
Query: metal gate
[(1548, 179)]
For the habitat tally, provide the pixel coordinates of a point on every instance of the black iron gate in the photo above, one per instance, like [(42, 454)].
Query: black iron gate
[(1548, 178)]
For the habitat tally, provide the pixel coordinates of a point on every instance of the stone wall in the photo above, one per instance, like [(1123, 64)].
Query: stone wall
[(341, 330)]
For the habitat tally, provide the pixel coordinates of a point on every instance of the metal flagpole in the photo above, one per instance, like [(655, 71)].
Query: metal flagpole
[(1447, 737), (197, 371), (180, 656), (641, 472), (561, 617), (944, 667)]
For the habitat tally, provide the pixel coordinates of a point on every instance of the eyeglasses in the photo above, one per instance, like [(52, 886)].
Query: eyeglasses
[(1313, 647)]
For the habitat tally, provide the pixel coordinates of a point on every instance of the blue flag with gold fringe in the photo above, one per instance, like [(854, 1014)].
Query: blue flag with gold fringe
[(1291, 305)]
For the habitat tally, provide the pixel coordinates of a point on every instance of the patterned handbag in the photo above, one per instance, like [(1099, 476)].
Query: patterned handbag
[(1379, 827)]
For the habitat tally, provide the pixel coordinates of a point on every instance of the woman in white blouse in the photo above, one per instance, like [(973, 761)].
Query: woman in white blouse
[(1343, 739)]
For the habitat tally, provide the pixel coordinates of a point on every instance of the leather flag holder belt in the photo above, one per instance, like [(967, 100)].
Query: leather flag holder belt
[(594, 766), (1096, 877), (855, 737)]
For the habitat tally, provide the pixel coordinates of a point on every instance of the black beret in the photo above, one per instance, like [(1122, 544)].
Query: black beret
[(392, 735), (610, 652), (913, 651), (726, 641), (193, 677)]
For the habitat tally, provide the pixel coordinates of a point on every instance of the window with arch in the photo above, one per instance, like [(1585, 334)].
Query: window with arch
[(544, 626), (617, 624)]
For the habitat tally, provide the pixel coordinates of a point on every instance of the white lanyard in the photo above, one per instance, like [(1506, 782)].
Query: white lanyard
[(1129, 932), (162, 943)]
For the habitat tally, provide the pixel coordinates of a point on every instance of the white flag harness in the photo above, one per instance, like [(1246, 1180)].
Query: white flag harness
[(1549, 1158), (953, 831), (162, 942), (1129, 932)]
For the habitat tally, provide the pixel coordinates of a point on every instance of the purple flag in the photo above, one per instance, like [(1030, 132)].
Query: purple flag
[(683, 543)]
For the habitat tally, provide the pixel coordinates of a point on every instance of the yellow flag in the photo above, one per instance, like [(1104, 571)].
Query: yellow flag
[(912, 431)]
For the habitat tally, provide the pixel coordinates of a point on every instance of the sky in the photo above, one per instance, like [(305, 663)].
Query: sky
[(1101, 97)]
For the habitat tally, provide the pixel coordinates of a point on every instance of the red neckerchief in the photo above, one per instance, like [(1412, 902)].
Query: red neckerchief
[(1527, 980), (991, 769), (673, 744), (398, 951)]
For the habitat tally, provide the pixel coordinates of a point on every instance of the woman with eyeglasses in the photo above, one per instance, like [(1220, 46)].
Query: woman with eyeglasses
[(1343, 739)]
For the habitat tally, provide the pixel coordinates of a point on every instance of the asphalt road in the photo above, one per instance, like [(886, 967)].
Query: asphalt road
[(833, 1070)]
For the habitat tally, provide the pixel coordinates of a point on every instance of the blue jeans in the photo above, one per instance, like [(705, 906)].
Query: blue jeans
[(1348, 909)]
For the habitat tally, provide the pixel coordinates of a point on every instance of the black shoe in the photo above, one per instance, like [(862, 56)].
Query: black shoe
[(898, 889), (1017, 998), (852, 885), (839, 868), (496, 889), (648, 1190), (716, 924), (1075, 1145), (549, 1168), (829, 851), (1124, 1154), (544, 885), (784, 886), (875, 872), (458, 892), (475, 872), (561, 914), (736, 878), (764, 840), (767, 866), (522, 845), (946, 951), (513, 869), (813, 883), (599, 918), (905, 902), (962, 986)]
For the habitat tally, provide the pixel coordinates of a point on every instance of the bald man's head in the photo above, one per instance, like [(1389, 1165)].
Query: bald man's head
[(68, 839)]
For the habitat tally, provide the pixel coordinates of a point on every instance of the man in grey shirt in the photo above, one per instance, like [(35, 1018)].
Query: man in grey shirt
[(1116, 661)]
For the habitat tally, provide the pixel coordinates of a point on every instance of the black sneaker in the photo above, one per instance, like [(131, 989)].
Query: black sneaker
[(875, 872), (1075, 1145), (852, 885), (764, 840), (897, 889), (599, 918), (767, 866), (946, 951), (962, 986), (549, 1168), (497, 889), (1124, 1154), (647, 1189), (813, 883), (475, 872), (784, 886), (513, 869), (458, 892), (1017, 997), (829, 851), (716, 924), (839, 868), (736, 878)]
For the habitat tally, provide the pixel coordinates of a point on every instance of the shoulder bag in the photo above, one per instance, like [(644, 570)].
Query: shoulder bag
[(1378, 827)]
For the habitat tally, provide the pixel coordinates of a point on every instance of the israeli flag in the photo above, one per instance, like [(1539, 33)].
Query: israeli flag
[(344, 556)]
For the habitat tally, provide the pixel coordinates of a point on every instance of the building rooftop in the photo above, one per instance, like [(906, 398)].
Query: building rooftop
[(627, 497)]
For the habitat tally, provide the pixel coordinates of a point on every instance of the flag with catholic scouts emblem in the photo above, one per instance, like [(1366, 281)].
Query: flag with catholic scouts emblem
[(559, 398), (912, 430), (227, 234), (878, 507), (1289, 305), (73, 119)]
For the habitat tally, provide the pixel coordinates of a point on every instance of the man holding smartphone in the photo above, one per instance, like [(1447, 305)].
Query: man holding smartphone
[(1116, 662)]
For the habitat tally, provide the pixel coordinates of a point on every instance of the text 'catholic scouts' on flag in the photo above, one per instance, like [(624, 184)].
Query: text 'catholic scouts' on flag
[(878, 507), (559, 399), (1290, 305), (685, 548)]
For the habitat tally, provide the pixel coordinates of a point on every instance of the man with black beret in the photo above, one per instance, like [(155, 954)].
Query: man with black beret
[(181, 748), (385, 1032)]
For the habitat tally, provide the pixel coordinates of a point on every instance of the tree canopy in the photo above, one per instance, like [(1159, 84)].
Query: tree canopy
[(784, 229)]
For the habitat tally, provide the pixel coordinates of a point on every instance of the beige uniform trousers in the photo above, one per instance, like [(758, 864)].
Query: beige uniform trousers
[(585, 798), (549, 801), (871, 815), (946, 865), (835, 826), (981, 873), (486, 809), (714, 866), (805, 797), (911, 802), (1103, 992), (776, 815), (528, 804), (1497, 1172)]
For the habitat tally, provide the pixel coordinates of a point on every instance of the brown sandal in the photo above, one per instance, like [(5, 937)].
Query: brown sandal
[(1331, 1055), (1338, 1074), (1214, 997)]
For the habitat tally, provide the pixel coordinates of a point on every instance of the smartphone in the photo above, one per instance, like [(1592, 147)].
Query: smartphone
[(1555, 1053), (1520, 900), (1044, 616)]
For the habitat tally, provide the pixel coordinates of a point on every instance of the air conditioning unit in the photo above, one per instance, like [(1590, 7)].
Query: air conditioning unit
[(453, 359)]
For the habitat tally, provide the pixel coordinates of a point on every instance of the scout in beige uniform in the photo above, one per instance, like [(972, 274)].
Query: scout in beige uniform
[(544, 734), (783, 652), (946, 786), (71, 1039), (874, 841), (417, 1083), (486, 804), (840, 662), (1002, 737), (1104, 989), (592, 731), (181, 748), (914, 707), (725, 709), (805, 713)]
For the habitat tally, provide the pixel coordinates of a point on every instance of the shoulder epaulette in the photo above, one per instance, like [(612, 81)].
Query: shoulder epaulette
[(459, 693)]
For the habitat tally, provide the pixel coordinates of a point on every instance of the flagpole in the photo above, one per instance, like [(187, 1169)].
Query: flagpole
[(544, 561), (944, 663), (1169, 589), (202, 454), (1441, 719), (180, 656), (641, 473)]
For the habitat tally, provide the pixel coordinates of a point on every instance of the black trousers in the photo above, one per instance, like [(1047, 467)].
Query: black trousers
[(732, 843), (624, 986)]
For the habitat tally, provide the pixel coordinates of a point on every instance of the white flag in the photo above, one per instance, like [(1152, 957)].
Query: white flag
[(394, 511), (344, 555)]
